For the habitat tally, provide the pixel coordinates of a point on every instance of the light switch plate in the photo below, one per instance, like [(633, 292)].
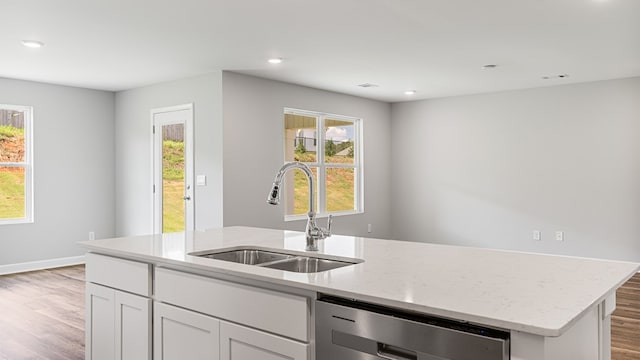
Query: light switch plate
[(201, 180)]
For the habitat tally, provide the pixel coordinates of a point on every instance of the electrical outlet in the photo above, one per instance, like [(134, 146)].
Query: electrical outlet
[(369, 228), (559, 236), (92, 235), (536, 235)]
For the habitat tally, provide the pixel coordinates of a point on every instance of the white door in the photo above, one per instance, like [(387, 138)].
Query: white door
[(182, 334), (173, 203), (242, 343)]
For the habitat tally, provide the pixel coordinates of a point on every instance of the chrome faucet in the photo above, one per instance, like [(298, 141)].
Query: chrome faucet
[(313, 231)]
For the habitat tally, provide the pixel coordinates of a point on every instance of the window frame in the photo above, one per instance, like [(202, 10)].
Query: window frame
[(27, 164), (321, 166)]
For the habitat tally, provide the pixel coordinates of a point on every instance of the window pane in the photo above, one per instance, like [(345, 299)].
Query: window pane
[(298, 198), (12, 198), (339, 141), (340, 189), (300, 134), (173, 178), (12, 141)]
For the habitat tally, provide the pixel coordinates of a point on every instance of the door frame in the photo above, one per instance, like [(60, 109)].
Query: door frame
[(156, 205)]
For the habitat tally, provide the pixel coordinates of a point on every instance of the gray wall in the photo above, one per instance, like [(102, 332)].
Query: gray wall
[(73, 171), (133, 150), (253, 151), (486, 170)]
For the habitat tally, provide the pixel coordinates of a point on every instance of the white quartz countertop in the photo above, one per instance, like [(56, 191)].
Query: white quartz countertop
[(533, 293)]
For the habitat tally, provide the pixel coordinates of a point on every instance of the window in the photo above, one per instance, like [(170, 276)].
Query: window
[(331, 146), (16, 168)]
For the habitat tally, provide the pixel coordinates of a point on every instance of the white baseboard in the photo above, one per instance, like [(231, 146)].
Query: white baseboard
[(40, 265)]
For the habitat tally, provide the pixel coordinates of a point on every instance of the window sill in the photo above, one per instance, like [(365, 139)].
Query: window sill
[(16, 221), (288, 218)]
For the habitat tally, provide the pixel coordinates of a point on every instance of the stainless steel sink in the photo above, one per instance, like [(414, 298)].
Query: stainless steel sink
[(276, 260), (302, 264), (247, 256)]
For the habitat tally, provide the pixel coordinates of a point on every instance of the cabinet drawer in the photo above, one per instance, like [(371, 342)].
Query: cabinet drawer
[(273, 311), (126, 275)]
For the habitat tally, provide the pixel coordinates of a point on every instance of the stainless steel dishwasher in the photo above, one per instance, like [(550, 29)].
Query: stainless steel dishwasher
[(352, 330)]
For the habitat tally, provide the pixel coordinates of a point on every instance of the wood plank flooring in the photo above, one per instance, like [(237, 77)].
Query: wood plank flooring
[(625, 322), (42, 316)]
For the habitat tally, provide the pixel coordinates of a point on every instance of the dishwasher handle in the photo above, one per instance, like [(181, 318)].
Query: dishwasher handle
[(390, 352)]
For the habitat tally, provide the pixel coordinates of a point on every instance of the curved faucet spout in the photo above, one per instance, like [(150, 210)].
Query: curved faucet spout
[(313, 231), (274, 194)]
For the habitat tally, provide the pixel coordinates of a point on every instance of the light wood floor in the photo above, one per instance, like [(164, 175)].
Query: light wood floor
[(625, 322), (42, 316)]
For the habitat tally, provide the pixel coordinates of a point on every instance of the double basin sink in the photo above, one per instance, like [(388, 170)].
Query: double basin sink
[(276, 260)]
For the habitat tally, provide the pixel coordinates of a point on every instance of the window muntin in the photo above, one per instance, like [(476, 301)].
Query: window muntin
[(334, 158), (16, 168)]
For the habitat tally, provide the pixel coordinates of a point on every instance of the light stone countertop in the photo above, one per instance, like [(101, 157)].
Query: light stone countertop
[(533, 293)]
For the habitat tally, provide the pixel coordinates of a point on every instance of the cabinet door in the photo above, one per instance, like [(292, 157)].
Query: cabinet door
[(241, 343), (99, 320), (181, 334), (132, 327)]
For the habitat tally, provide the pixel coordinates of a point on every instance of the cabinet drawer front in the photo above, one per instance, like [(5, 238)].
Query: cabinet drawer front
[(127, 275), (273, 311)]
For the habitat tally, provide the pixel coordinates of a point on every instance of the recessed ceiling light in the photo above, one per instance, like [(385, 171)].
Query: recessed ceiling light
[(32, 43), (489, 66), (275, 60), (410, 92)]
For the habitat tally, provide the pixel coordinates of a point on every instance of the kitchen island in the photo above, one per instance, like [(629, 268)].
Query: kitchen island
[(553, 307)]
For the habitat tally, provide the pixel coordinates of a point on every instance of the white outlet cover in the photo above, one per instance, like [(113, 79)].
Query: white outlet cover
[(559, 236), (536, 235)]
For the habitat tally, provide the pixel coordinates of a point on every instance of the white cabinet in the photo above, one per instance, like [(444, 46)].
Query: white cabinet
[(100, 323), (195, 317), (181, 334), (242, 343), (133, 327), (118, 325)]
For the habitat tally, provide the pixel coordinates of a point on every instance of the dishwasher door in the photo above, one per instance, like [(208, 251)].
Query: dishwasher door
[(350, 330)]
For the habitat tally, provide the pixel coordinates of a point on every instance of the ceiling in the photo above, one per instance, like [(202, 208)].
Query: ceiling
[(437, 47)]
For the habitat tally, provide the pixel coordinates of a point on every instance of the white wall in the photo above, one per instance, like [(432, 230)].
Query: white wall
[(73, 171), (253, 151), (133, 150), (486, 170)]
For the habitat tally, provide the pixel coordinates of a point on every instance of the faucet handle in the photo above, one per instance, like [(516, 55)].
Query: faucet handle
[(329, 221)]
